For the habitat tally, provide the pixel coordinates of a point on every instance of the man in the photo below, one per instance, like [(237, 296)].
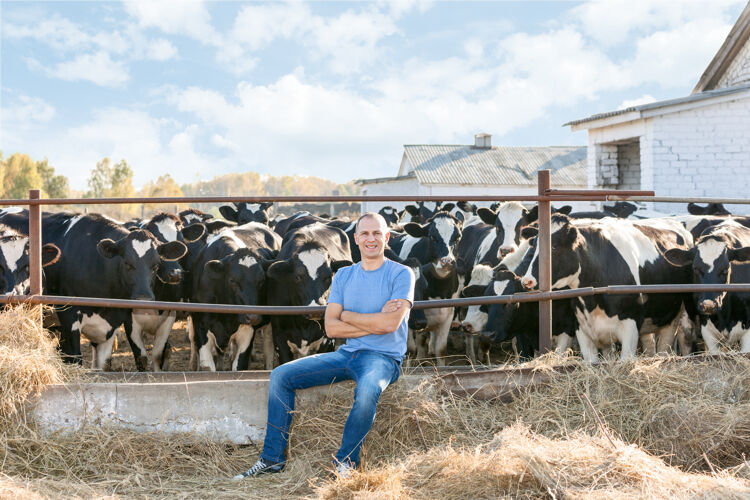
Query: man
[(368, 306)]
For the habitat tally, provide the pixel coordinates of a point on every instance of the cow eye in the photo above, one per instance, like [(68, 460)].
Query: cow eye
[(129, 267), (297, 278)]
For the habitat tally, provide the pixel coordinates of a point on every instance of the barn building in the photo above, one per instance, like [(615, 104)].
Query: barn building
[(479, 168), (696, 145)]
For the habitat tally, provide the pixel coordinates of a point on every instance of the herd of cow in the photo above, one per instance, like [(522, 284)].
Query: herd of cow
[(453, 249)]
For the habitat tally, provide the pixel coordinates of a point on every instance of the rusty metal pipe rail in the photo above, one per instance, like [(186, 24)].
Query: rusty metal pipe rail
[(533, 296)]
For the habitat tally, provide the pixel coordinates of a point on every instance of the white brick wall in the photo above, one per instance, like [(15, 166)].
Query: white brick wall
[(739, 71), (629, 165), (702, 152)]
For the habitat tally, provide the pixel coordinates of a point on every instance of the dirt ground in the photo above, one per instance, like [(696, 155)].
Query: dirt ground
[(179, 360)]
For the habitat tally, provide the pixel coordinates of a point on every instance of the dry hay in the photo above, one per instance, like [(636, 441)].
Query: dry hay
[(520, 464), (674, 410)]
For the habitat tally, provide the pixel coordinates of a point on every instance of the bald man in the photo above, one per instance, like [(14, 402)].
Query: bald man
[(368, 306)]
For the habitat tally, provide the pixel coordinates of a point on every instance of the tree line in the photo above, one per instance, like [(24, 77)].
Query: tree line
[(19, 173)]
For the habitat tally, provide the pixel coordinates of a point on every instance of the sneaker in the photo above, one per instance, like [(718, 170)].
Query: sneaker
[(344, 470), (260, 467)]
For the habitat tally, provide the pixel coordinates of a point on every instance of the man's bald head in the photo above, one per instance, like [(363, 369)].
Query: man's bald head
[(372, 216)]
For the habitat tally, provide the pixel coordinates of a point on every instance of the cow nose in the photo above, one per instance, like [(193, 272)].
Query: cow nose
[(250, 319), (528, 282), (707, 307), (175, 276), (467, 327), (447, 261), (503, 251)]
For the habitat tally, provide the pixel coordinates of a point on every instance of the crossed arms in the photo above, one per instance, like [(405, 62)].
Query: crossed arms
[(341, 324)]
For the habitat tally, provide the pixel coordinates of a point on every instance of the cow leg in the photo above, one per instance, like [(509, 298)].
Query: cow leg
[(104, 352), (208, 353), (94, 357), (269, 351), (589, 351), (159, 351), (563, 342), (423, 343), (711, 337), (135, 339), (648, 344), (70, 336), (440, 344), (239, 347), (193, 365), (471, 342), (628, 336), (665, 337)]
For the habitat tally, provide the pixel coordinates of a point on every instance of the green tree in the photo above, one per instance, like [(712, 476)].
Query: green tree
[(20, 174), (112, 181), (54, 186)]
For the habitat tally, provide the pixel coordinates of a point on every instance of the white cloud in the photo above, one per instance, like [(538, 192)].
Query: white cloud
[(97, 68), (25, 112), (644, 99), (189, 18), (59, 33), (161, 50)]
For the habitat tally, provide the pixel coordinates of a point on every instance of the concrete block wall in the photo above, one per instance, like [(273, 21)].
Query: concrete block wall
[(607, 173), (703, 152), (629, 165), (739, 71)]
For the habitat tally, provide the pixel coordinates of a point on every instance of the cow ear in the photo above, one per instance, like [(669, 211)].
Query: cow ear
[(215, 269), (473, 291), (174, 250), (228, 213), (280, 268), (193, 232), (532, 214), (108, 248), (739, 254), (569, 236), (467, 206), (50, 254), (416, 230), (413, 210), (528, 232), (460, 217), (447, 207), (487, 215), (338, 264), (565, 209), (217, 225), (266, 205), (679, 257)]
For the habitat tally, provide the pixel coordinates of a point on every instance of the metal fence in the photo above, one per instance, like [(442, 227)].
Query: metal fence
[(545, 197)]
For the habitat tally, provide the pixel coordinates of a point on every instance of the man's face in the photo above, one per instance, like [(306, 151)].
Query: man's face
[(371, 237)]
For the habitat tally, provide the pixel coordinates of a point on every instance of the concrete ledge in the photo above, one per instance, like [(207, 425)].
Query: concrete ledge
[(224, 406)]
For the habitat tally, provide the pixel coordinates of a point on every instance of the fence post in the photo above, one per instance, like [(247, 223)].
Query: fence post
[(35, 244), (545, 263)]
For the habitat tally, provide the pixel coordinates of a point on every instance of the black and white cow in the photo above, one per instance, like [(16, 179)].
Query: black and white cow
[(709, 209), (168, 287), (231, 269), (720, 255), (508, 220), (424, 210), (101, 259), (596, 253), (242, 213), (390, 215), (296, 221), (302, 277), (14, 261), (193, 215)]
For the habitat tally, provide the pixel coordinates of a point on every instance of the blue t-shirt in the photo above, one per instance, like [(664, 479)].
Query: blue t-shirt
[(366, 292)]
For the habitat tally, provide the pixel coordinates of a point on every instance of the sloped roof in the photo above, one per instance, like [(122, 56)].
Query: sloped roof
[(738, 36), (666, 103), (503, 165)]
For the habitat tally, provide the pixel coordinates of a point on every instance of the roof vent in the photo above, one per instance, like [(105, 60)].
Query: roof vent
[(483, 141)]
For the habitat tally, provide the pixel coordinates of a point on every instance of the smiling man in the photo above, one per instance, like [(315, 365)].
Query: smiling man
[(368, 306)]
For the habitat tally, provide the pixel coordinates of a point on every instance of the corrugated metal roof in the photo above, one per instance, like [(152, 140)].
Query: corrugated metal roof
[(663, 104), (376, 180), (503, 165)]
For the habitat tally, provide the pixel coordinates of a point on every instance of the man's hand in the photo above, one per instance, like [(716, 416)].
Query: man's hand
[(391, 305)]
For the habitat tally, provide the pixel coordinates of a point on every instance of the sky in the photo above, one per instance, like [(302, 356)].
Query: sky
[(198, 89)]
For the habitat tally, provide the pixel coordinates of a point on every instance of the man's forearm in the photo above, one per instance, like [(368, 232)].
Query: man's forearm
[(377, 323), (338, 329)]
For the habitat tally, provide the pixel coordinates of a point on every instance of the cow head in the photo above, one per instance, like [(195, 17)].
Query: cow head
[(246, 212), (305, 278), (417, 318), (508, 220), (709, 209), (567, 268), (711, 260), (240, 278), (193, 215), (500, 317), (390, 215), (307, 338), (138, 256), (476, 315), (167, 227), (14, 262), (424, 210), (443, 232)]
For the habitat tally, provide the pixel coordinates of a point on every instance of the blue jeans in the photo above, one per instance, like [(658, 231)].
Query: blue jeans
[(372, 371)]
